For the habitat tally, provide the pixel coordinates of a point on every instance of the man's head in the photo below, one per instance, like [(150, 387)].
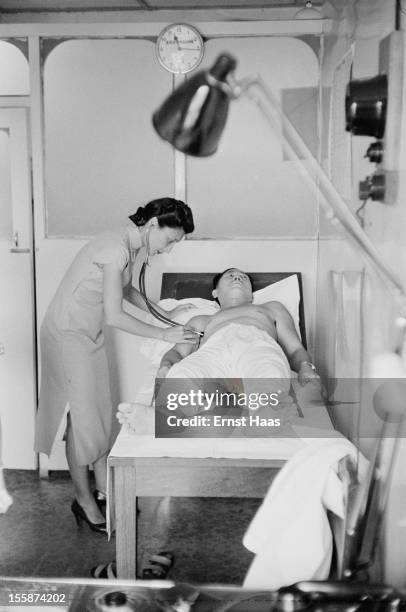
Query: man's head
[(232, 287)]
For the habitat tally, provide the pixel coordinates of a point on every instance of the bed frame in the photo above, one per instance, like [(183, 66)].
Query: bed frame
[(179, 285)]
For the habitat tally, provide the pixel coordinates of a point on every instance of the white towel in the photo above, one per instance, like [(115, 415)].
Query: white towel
[(237, 350), (290, 533)]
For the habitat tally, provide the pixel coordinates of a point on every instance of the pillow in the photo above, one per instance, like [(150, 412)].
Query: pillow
[(285, 291)]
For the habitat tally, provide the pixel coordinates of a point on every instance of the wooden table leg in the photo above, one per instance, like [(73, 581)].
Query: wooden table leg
[(126, 521)]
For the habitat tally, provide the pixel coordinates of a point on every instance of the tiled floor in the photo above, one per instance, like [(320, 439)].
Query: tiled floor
[(39, 537)]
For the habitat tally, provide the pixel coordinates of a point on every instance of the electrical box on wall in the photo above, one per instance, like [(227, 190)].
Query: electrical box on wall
[(391, 61), (374, 108)]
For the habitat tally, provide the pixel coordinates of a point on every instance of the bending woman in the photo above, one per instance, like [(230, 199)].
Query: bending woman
[(74, 370)]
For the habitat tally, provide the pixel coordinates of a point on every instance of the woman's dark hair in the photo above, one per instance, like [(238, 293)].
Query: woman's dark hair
[(218, 276), (168, 211)]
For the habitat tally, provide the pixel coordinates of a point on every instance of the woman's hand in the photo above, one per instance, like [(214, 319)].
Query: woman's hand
[(175, 312), (178, 334)]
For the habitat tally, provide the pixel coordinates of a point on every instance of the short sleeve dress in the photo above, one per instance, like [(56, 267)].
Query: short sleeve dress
[(74, 367)]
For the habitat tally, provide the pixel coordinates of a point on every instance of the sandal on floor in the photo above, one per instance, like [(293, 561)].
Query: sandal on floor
[(159, 566), (105, 570)]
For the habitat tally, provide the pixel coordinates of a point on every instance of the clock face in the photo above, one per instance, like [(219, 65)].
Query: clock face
[(179, 48)]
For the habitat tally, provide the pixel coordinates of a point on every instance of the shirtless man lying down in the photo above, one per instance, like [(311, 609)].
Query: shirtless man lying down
[(241, 340)]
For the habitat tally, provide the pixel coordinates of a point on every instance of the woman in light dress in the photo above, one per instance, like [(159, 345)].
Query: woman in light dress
[(74, 370)]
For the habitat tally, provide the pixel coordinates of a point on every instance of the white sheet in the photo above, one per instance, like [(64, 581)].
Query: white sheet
[(312, 421), (238, 351), (290, 532), (136, 438)]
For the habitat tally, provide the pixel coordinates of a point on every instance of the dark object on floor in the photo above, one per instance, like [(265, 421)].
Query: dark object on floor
[(81, 516), (159, 566), (105, 571)]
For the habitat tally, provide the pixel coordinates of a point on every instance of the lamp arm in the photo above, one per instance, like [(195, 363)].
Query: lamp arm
[(316, 177)]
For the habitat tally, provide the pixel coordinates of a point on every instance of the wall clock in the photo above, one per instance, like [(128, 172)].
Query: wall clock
[(179, 48)]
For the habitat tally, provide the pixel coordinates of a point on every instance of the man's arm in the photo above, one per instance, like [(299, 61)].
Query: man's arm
[(181, 350), (287, 337)]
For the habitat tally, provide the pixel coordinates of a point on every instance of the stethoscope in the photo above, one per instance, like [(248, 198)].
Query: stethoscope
[(150, 307)]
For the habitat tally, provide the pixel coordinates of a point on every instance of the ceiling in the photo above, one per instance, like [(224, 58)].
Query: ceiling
[(9, 7)]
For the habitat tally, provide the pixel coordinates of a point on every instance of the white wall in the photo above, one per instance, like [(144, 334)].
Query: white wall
[(247, 188), (6, 224), (14, 78), (102, 156)]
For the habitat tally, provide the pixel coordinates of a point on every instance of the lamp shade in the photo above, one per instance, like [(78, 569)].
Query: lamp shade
[(193, 117)]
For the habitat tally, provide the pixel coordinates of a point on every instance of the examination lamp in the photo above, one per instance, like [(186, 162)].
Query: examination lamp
[(193, 117)]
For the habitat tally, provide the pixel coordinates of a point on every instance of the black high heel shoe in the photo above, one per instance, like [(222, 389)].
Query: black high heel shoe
[(80, 516)]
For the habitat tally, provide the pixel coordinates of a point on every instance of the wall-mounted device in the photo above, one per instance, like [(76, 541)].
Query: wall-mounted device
[(373, 107), (365, 106), (375, 152), (373, 187)]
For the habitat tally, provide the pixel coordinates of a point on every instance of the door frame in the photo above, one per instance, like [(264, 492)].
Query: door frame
[(14, 117)]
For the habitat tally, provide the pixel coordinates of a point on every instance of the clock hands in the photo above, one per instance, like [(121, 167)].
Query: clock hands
[(181, 48)]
